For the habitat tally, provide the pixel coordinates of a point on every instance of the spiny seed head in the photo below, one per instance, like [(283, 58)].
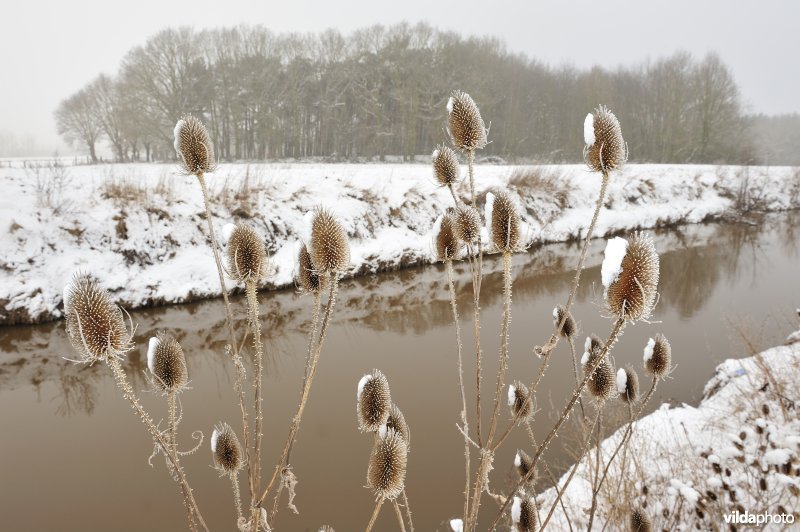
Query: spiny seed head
[(632, 294), (397, 421), (569, 328), (307, 277), (523, 463), (523, 514), (95, 326), (466, 224), (503, 222), (447, 245), (193, 146), (386, 473), (247, 253), (167, 363), (520, 401), (640, 522), (605, 149), (445, 166), (327, 242), (658, 356), (467, 130), (627, 384), (226, 449), (602, 384), (373, 401), (593, 344)]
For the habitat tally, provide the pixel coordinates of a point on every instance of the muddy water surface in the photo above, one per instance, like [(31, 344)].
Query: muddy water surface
[(74, 457)]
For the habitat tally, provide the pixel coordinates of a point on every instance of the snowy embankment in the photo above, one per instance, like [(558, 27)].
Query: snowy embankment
[(688, 468), (141, 228)]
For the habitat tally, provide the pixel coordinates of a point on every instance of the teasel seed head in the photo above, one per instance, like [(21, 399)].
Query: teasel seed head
[(445, 166), (167, 363), (632, 284), (523, 514), (627, 384), (307, 277), (373, 401), (95, 325), (593, 344), (327, 243), (602, 384), (226, 449), (397, 421), (523, 463), (447, 245), (520, 401), (466, 224), (569, 328), (658, 356), (640, 522), (247, 253), (467, 130), (193, 146), (503, 222), (605, 149), (386, 473)]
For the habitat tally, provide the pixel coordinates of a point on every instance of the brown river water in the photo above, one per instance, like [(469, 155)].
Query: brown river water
[(74, 457)]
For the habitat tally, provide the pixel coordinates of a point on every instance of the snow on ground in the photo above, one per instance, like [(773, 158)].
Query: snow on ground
[(688, 467), (141, 228)]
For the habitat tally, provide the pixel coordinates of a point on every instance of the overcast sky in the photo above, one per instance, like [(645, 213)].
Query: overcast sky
[(49, 49)]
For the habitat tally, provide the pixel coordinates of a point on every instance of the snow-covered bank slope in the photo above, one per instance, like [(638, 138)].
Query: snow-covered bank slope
[(141, 228), (688, 467)]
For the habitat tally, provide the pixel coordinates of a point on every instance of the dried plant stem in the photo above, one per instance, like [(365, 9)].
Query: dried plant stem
[(312, 370), (375, 514), (173, 441), (453, 193), (503, 354), (237, 498), (399, 515), (575, 371), (470, 171), (408, 511), (476, 326), (616, 331), (127, 391), (551, 344), (255, 327), (598, 460)]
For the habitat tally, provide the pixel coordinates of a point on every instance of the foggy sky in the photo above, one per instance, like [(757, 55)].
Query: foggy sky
[(49, 49)]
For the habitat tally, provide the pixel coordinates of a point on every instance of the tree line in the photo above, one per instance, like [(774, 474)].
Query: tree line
[(382, 91)]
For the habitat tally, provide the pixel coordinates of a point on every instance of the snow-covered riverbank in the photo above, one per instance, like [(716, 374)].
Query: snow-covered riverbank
[(141, 228)]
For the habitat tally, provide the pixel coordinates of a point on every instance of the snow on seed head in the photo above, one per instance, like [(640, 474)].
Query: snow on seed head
[(569, 328), (523, 514), (327, 242), (523, 463), (631, 282), (467, 130), (167, 363), (397, 422), (246, 254), (602, 382), (658, 356), (308, 280), (373, 401), (445, 166), (503, 222), (387, 464), (605, 149), (520, 401), (466, 224), (225, 448), (457, 525), (627, 384), (193, 146)]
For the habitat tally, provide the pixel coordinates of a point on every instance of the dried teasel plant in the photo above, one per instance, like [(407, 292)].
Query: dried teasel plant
[(602, 382), (386, 473), (523, 463), (658, 356), (327, 242), (627, 384), (308, 280), (446, 244), (605, 149), (568, 328), (520, 401), (446, 169), (373, 401), (246, 253), (630, 274), (228, 460), (467, 130), (523, 514), (640, 521), (466, 224), (193, 146), (397, 422), (503, 222), (167, 363)]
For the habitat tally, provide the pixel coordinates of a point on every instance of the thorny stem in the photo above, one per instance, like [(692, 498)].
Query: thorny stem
[(255, 326), (287, 449), (571, 341), (399, 515), (173, 440), (408, 511), (598, 459), (551, 344), (619, 324), (237, 498), (375, 514), (127, 392), (449, 268)]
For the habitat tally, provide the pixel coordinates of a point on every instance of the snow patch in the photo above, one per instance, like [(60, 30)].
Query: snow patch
[(457, 525), (516, 510), (214, 437), (517, 460), (512, 390), (777, 456), (622, 380), (588, 130), (612, 263), (364, 380), (587, 345), (227, 232), (308, 224), (151, 354), (488, 209), (435, 154), (382, 431), (555, 314), (450, 105), (176, 133), (585, 358), (648, 349)]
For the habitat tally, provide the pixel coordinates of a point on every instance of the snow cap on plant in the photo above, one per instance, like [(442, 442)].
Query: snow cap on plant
[(604, 149), (569, 328), (327, 242), (386, 473), (466, 224), (658, 356), (523, 514), (503, 222), (167, 363), (640, 522), (602, 383), (627, 384), (457, 525), (523, 463), (520, 401), (95, 325), (445, 166), (630, 273), (193, 146), (247, 253), (373, 401), (467, 130), (445, 239), (225, 449), (397, 421), (593, 344), (307, 277)]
